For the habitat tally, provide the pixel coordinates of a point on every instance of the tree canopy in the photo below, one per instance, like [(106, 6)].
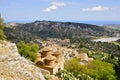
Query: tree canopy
[(96, 69), (2, 35)]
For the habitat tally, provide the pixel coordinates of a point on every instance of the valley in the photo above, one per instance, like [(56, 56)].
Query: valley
[(110, 39), (61, 48)]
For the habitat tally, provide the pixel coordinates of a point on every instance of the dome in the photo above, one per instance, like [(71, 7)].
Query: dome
[(46, 49), (50, 57)]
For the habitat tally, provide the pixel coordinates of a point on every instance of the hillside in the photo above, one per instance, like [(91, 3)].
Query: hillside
[(16, 35), (51, 29)]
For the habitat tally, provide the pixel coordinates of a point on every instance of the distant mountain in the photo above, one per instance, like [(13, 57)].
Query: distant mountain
[(52, 29)]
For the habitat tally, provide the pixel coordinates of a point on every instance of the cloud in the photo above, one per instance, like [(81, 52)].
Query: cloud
[(54, 6), (96, 8)]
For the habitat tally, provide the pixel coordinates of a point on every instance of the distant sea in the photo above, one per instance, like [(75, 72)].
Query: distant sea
[(76, 21)]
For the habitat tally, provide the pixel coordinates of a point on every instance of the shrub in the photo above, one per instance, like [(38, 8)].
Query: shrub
[(27, 50), (2, 35), (96, 69)]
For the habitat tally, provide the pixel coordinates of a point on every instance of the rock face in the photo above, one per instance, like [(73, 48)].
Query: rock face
[(15, 67)]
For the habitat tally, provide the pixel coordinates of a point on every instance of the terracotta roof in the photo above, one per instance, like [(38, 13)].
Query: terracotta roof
[(84, 56)]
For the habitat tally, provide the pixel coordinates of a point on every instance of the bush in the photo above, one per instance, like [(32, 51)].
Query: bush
[(100, 70), (96, 69), (27, 50), (65, 75)]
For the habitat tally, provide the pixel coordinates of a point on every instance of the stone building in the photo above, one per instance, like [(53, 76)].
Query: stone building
[(84, 59), (50, 60)]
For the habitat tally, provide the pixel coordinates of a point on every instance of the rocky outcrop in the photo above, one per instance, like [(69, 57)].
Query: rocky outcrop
[(15, 67)]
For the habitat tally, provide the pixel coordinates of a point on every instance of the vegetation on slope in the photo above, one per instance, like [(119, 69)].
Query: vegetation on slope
[(16, 35), (103, 67), (2, 35), (96, 69), (103, 51), (50, 29), (104, 47), (27, 50)]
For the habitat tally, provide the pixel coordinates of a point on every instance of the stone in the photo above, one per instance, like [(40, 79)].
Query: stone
[(52, 61), (15, 67)]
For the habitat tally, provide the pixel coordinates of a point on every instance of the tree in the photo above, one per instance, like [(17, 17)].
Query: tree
[(27, 50), (100, 70), (117, 68), (96, 69), (2, 35), (73, 66)]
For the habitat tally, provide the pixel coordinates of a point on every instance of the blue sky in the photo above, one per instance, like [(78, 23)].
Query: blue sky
[(60, 10)]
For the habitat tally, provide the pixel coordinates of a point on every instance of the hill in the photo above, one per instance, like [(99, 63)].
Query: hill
[(52, 29)]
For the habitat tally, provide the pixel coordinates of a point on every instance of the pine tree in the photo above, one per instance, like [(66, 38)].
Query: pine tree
[(2, 35)]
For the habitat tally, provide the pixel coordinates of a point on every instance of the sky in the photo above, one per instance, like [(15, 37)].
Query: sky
[(60, 10)]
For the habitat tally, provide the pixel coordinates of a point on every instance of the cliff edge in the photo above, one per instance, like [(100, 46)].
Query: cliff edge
[(15, 67)]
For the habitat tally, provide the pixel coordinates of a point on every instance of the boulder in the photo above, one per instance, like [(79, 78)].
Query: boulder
[(15, 67)]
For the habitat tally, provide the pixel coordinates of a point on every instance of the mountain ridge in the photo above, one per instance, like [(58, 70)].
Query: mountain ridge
[(54, 29)]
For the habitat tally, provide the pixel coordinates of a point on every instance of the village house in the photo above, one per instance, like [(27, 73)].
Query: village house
[(84, 59)]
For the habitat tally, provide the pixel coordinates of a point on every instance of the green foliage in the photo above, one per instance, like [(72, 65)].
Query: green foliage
[(117, 43), (74, 66), (105, 47), (1, 23), (96, 69), (98, 55), (29, 51), (2, 35), (17, 35), (51, 29), (46, 77), (100, 70), (67, 75), (111, 59), (117, 68), (84, 77)]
